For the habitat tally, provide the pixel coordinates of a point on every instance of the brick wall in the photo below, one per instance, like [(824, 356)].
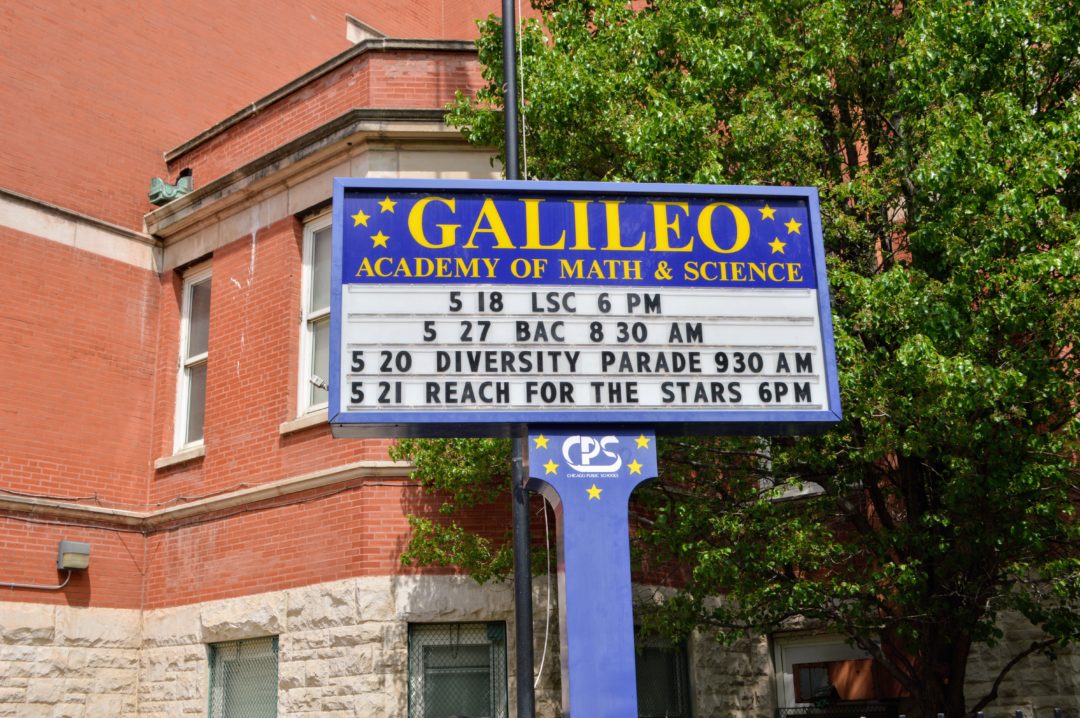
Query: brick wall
[(373, 79), (114, 579), (252, 374), (94, 93), (327, 534), (78, 343), (89, 346)]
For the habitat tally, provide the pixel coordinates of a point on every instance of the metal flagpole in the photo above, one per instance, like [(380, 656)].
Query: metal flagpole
[(510, 104), (522, 585), (523, 628)]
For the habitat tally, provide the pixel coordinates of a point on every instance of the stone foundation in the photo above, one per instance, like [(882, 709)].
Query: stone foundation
[(342, 647), (1035, 686), (65, 662), (343, 651), (732, 681)]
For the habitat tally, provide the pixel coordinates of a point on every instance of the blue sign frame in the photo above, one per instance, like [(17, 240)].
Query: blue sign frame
[(443, 421)]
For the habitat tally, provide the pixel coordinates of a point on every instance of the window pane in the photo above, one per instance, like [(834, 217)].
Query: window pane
[(811, 682), (243, 679), (662, 682), (457, 681), (320, 360), (196, 403), (320, 270), (199, 318)]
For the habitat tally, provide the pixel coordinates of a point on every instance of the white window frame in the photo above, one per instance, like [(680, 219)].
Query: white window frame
[(185, 363), (308, 318)]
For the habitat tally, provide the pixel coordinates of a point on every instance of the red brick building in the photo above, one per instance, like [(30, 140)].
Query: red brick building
[(157, 365)]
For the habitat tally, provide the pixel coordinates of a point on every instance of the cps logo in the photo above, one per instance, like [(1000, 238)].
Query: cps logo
[(588, 454)]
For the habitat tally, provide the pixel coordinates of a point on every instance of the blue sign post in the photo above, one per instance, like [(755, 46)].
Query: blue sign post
[(588, 477)]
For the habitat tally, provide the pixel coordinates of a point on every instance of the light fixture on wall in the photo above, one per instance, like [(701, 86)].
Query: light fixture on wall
[(73, 555), (70, 556)]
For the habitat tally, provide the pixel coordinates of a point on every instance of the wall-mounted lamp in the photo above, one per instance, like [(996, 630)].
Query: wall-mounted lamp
[(70, 556), (73, 555)]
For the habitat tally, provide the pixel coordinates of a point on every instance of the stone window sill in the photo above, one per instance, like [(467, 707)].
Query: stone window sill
[(315, 418), (181, 457)]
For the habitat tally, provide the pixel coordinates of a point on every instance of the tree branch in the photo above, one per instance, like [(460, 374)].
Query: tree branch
[(1035, 647)]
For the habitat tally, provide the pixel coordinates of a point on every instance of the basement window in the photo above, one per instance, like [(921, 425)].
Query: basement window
[(457, 669), (244, 678), (663, 679)]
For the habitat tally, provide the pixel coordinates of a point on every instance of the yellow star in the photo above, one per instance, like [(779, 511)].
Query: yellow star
[(387, 205), (777, 246), (634, 466), (767, 212), (594, 493), (550, 467), (379, 239), (360, 218), (792, 227), (642, 442), (541, 442)]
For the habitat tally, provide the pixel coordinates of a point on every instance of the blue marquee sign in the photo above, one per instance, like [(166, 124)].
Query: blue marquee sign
[(477, 308)]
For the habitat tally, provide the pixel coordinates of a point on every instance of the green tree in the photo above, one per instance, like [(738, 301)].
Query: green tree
[(944, 138)]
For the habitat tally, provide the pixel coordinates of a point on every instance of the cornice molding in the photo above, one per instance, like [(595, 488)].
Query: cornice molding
[(160, 519), (70, 214), (53, 223), (281, 164)]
